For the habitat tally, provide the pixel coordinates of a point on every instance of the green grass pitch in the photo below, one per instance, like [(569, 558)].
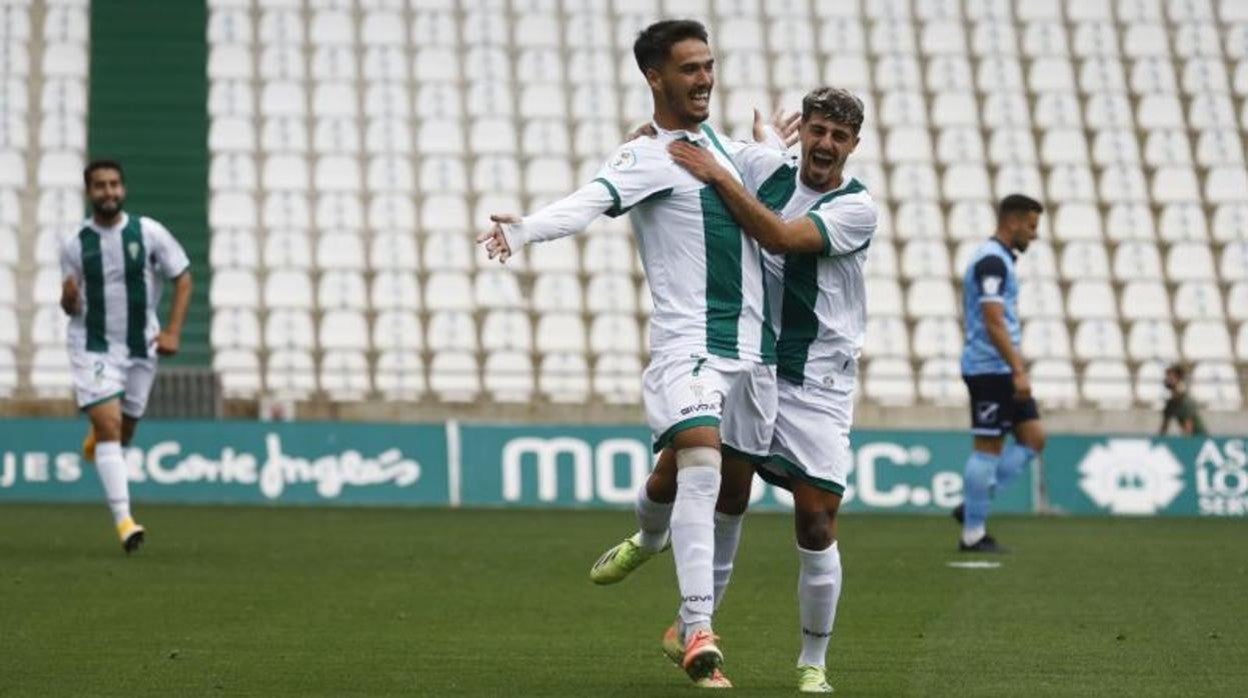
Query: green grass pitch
[(262, 602)]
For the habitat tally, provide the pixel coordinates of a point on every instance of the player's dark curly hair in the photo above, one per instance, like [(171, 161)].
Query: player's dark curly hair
[(654, 43), (834, 104), (102, 165)]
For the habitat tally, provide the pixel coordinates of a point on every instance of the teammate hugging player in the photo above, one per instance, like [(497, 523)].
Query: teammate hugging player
[(817, 247), (114, 270)]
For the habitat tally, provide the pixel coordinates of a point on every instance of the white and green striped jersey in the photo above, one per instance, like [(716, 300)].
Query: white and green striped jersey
[(705, 275), (120, 273), (819, 301)]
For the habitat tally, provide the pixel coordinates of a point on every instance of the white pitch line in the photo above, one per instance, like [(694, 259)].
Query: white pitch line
[(974, 565)]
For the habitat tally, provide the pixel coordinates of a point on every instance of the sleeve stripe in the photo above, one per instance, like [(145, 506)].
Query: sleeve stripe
[(823, 230), (618, 206), (992, 299)]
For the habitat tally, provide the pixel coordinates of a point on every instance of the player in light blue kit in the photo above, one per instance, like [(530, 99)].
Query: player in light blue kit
[(995, 374)]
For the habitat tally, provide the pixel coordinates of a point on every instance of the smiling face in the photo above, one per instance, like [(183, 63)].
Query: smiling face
[(826, 145), (682, 86), (107, 192)]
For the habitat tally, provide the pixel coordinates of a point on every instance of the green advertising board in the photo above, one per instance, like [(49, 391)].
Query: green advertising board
[(235, 463), (496, 465)]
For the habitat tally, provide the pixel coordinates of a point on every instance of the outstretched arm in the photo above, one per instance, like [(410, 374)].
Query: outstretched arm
[(572, 214), (775, 235)]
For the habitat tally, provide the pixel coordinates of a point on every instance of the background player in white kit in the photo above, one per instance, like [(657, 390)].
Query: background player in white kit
[(711, 344), (825, 224), (114, 269)]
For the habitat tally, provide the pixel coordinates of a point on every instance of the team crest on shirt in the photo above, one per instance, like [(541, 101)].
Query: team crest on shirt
[(992, 285), (133, 249), (625, 160)]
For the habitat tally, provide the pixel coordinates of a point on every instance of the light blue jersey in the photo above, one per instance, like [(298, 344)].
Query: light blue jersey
[(990, 278)]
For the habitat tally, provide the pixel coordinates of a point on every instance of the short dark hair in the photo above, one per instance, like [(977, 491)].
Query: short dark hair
[(102, 165), (1017, 203), (654, 43), (834, 104), (1178, 369)]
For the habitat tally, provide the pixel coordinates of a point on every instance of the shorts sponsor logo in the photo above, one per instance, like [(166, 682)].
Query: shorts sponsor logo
[(703, 400), (698, 598), (987, 411), (1131, 476)]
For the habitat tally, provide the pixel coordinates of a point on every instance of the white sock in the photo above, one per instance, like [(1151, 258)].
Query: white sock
[(727, 538), (693, 535), (971, 536), (112, 468), (818, 590), (653, 520)]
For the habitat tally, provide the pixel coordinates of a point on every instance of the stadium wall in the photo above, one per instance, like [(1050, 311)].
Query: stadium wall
[(495, 465)]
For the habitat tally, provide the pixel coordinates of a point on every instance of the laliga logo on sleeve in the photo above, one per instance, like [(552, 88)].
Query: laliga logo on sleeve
[(992, 285), (1131, 476), (623, 161)]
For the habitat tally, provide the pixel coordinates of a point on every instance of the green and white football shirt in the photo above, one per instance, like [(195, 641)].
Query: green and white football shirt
[(705, 275), (120, 272), (819, 301)]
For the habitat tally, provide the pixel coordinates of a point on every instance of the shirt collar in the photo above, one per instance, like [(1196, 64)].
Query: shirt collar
[(121, 223), (698, 137), (1013, 255)]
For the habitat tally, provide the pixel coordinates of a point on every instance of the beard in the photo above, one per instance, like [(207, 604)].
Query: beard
[(108, 208)]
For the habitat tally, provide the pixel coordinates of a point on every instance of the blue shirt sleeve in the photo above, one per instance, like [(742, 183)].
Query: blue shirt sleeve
[(989, 276)]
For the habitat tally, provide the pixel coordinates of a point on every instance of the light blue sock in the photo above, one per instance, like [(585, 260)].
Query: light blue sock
[(1014, 460), (977, 481)]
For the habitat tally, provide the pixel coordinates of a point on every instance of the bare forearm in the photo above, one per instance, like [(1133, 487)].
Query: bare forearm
[(754, 218), (1000, 338), (181, 301)]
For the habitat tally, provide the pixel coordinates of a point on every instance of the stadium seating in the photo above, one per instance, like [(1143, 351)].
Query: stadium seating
[(357, 146)]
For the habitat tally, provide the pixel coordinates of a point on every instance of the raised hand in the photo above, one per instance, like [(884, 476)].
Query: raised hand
[(495, 240), (785, 125)]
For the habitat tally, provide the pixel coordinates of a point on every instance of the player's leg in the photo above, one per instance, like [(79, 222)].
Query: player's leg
[(1029, 441), (749, 418), (991, 409), (698, 476), (819, 580), (811, 447), (140, 376), (653, 508), (99, 384)]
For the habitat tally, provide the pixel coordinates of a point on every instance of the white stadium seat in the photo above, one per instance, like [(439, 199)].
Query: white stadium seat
[(1107, 384), (1216, 385), (564, 378), (889, 382), (508, 377), (1091, 300), (886, 336), (400, 375), (1206, 340), (1152, 339), (1198, 300)]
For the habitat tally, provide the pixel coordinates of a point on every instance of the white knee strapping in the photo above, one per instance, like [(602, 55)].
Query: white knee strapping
[(698, 456)]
